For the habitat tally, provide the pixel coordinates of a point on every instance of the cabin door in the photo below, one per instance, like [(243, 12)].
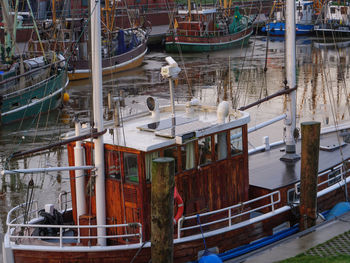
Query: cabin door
[(130, 188), (122, 190)]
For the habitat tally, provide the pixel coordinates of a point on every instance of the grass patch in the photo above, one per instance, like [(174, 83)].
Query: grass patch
[(314, 259), (332, 250)]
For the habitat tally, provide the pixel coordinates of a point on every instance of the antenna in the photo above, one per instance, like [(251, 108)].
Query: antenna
[(171, 72)]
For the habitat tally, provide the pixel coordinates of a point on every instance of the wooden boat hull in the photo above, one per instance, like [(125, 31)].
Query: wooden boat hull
[(183, 252), (191, 44), (123, 62), (39, 98)]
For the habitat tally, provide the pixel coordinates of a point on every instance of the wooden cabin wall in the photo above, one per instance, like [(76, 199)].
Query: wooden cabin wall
[(89, 197), (209, 187)]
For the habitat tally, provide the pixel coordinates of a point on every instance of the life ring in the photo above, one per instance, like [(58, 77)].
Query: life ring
[(180, 206)]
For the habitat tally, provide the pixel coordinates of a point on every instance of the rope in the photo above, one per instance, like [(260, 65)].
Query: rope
[(29, 199), (200, 227), (138, 251)]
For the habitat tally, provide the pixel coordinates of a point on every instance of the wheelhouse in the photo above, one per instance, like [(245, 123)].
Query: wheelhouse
[(211, 165)]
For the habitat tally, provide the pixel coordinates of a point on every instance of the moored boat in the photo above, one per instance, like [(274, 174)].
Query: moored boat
[(334, 20), (125, 51), (304, 19), (122, 49), (208, 29), (30, 83), (232, 197)]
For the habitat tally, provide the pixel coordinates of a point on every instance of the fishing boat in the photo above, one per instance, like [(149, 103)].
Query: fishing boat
[(304, 15), (334, 20), (201, 29), (122, 49), (234, 199), (30, 83)]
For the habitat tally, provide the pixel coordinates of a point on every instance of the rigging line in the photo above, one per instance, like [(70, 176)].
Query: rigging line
[(333, 110), (6, 15), (127, 12), (75, 43), (171, 20), (32, 122)]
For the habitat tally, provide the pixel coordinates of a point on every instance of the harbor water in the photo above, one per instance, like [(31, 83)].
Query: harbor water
[(241, 76)]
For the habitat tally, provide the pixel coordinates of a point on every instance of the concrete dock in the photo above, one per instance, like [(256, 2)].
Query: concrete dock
[(303, 242)]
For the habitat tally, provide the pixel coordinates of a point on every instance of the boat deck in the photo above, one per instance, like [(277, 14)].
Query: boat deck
[(267, 171)]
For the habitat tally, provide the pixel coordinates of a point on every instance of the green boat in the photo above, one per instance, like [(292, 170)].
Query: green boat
[(30, 84), (37, 91), (204, 30)]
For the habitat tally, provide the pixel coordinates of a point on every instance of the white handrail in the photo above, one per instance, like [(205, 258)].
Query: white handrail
[(62, 227), (230, 211), (49, 169)]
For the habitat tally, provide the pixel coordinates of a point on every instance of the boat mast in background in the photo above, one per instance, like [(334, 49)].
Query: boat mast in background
[(98, 118), (290, 121), (9, 27)]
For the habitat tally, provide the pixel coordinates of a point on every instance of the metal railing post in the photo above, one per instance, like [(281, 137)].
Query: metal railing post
[(229, 217)]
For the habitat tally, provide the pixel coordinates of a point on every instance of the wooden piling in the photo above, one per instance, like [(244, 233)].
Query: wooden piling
[(162, 205), (310, 146)]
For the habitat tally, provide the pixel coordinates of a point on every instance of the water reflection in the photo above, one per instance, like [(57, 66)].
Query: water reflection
[(237, 75)]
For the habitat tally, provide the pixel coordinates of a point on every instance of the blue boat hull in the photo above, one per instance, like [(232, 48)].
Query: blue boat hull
[(278, 29)]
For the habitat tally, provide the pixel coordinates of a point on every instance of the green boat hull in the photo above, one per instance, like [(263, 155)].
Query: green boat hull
[(31, 101), (194, 47)]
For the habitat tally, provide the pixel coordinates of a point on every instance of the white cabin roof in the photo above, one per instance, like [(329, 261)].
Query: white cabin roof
[(144, 134), (197, 12)]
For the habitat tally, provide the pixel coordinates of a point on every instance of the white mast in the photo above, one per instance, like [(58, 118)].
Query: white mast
[(79, 174), (290, 65), (98, 117)]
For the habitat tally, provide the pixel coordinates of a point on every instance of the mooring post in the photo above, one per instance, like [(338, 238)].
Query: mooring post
[(162, 205), (310, 146)]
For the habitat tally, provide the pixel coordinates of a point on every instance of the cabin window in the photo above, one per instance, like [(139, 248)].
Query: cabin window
[(112, 160), (334, 177), (172, 152), (204, 150), (149, 158), (188, 156), (236, 141), (220, 146), (131, 168), (343, 10), (332, 10)]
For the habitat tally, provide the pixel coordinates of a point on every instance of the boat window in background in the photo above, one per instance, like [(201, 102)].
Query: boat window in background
[(149, 158), (220, 146), (113, 164), (172, 152), (130, 168), (204, 150), (188, 156), (236, 141)]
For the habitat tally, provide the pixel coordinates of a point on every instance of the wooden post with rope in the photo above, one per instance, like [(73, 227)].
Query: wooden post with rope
[(162, 215), (310, 146)]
